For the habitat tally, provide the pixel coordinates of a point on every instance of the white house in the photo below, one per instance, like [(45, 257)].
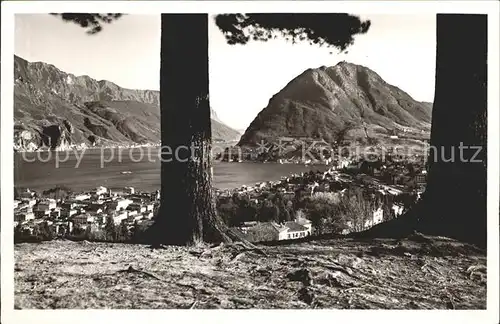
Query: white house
[(282, 232), (82, 219), (68, 212), (270, 231), (129, 190), (55, 213), (398, 209), (30, 202), (147, 215), (119, 204), (68, 205), (27, 194), (295, 230), (134, 217), (137, 207), (120, 217), (82, 197), (23, 216), (305, 222), (378, 217), (41, 213), (101, 190), (46, 205)]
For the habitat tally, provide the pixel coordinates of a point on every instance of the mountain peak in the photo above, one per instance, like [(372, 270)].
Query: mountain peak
[(47, 100), (321, 101)]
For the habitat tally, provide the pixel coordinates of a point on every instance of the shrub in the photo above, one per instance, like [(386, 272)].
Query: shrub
[(237, 210), (228, 212), (110, 230), (139, 231), (373, 141), (325, 217), (356, 210), (123, 234), (332, 213), (96, 235), (324, 213), (23, 235), (43, 232), (268, 212), (299, 200), (327, 197)]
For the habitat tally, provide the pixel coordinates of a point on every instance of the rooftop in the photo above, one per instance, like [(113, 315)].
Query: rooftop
[(295, 227)]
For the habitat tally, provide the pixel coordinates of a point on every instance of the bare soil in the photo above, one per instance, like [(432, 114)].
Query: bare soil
[(415, 273)]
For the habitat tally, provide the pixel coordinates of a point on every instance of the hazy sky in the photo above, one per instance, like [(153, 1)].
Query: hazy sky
[(400, 48)]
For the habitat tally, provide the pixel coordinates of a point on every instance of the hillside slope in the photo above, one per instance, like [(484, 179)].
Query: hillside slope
[(320, 103), (56, 109), (334, 274)]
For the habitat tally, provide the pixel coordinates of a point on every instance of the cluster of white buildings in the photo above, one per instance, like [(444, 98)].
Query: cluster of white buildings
[(317, 183), (96, 207)]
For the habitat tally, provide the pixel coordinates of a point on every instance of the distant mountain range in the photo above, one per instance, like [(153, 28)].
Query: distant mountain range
[(346, 98), (56, 109)]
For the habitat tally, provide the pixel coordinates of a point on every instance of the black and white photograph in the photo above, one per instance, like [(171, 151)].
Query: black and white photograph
[(239, 155)]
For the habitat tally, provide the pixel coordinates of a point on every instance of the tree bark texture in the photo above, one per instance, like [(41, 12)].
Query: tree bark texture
[(187, 213), (455, 197), (454, 204)]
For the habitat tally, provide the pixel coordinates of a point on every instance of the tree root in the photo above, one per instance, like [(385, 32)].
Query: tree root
[(131, 269), (214, 231), (238, 240), (237, 257), (211, 250), (477, 271)]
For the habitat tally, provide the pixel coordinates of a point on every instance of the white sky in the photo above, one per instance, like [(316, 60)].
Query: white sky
[(400, 48)]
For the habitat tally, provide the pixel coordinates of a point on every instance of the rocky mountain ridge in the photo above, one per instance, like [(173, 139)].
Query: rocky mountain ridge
[(346, 99), (58, 110)]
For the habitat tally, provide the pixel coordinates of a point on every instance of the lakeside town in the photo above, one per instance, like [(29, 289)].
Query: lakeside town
[(339, 153), (351, 195)]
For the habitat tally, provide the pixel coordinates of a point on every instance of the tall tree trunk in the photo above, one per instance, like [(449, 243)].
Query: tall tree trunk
[(454, 203), (455, 198), (187, 213)]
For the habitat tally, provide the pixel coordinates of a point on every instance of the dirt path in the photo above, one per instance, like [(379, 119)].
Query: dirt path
[(377, 274)]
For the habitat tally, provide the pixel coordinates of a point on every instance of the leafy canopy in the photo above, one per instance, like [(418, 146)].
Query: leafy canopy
[(328, 29), (91, 21), (324, 29)]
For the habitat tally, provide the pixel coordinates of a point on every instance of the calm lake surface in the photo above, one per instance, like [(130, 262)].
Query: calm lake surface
[(45, 170)]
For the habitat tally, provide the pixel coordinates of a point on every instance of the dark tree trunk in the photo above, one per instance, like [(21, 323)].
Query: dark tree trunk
[(454, 203), (455, 198), (187, 213)]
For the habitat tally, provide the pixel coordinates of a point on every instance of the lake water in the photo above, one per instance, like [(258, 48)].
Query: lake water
[(45, 170)]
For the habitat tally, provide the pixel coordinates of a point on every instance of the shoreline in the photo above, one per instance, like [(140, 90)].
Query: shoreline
[(219, 189), (78, 149)]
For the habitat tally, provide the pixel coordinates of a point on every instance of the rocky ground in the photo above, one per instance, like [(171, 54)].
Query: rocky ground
[(414, 273)]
